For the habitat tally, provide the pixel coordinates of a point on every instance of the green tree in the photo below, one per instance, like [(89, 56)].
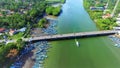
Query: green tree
[(42, 22), (56, 11), (49, 10)]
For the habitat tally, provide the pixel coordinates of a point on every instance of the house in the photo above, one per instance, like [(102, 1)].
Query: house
[(118, 22), (106, 16), (116, 28), (97, 8), (119, 15), (22, 29), (12, 12), (12, 32), (3, 10), (1, 15), (118, 19), (2, 30)]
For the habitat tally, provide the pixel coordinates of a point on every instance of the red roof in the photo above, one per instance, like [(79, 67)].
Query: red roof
[(1, 15), (2, 29)]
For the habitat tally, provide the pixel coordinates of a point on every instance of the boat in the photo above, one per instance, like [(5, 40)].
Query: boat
[(116, 45), (77, 43)]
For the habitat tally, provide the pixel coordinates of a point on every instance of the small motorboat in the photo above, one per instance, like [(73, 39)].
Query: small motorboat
[(77, 43), (116, 45)]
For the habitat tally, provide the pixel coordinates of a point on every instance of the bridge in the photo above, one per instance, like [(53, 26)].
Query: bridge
[(72, 35), (67, 36)]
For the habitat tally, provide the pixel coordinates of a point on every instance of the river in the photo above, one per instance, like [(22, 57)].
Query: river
[(94, 52)]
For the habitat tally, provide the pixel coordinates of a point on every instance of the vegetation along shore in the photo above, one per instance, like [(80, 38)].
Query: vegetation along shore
[(101, 12), (18, 19)]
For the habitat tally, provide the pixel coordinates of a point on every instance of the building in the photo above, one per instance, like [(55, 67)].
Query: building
[(22, 29), (119, 15), (1, 15), (118, 19), (118, 22), (12, 32), (116, 28), (106, 16), (97, 8), (2, 30)]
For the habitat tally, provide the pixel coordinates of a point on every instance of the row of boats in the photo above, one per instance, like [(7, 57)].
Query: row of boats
[(43, 46), (116, 40), (41, 53), (117, 45), (51, 29)]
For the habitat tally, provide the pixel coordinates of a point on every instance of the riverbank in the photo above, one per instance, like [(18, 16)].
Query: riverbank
[(102, 18), (27, 16), (116, 40), (34, 53), (43, 46), (100, 15)]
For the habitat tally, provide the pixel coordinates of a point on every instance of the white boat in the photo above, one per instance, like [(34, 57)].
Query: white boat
[(116, 45), (77, 43)]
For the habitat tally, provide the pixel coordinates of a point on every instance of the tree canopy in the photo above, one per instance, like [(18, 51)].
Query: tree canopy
[(42, 22), (53, 10)]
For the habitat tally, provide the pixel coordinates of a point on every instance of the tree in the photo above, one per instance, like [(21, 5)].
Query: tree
[(42, 22), (56, 11), (49, 10), (53, 10), (20, 43)]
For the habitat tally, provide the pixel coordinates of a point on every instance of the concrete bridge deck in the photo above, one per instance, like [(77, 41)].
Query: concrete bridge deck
[(67, 36), (72, 35)]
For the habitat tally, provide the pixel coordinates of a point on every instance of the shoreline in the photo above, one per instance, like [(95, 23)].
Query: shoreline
[(29, 47), (35, 49), (39, 45), (115, 39), (95, 20), (99, 17)]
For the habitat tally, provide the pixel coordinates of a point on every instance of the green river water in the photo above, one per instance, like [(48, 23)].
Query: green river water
[(94, 52)]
